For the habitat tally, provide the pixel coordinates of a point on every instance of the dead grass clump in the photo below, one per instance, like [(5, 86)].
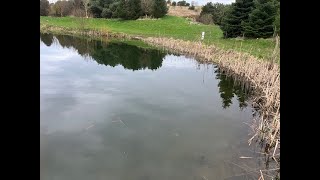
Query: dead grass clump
[(81, 31), (182, 12)]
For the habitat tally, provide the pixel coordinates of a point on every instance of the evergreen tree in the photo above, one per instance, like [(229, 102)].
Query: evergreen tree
[(96, 8), (181, 3), (129, 9), (237, 16), (135, 9), (106, 13), (261, 20), (276, 23), (207, 9), (159, 8), (122, 9)]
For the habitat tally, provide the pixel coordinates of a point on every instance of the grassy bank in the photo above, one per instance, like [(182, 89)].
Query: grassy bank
[(170, 27)]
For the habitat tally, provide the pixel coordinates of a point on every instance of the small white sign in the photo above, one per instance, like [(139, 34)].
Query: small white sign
[(202, 36)]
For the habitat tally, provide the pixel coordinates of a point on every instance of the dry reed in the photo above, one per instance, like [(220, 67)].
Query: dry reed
[(183, 11), (80, 31)]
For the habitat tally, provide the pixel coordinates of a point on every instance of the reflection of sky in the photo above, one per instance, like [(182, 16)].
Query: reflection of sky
[(171, 117), (74, 88), (178, 62)]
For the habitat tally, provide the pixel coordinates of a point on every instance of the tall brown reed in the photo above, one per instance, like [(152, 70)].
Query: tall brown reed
[(80, 31)]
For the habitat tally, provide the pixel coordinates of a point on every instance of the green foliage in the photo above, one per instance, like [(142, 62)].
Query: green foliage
[(236, 16), (276, 23), (106, 13), (261, 20), (174, 3), (96, 8), (207, 9), (181, 3), (103, 8), (187, 4), (258, 19), (44, 7), (160, 8), (129, 9), (113, 8), (217, 10)]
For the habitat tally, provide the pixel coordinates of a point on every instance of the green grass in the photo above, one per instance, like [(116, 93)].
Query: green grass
[(169, 26)]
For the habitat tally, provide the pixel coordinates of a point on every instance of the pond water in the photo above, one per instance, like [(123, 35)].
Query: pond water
[(114, 111)]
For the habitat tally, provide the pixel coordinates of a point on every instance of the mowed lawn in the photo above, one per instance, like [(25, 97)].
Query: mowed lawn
[(169, 26)]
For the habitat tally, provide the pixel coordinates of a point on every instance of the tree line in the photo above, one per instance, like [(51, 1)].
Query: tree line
[(124, 9), (244, 18), (181, 3), (109, 54)]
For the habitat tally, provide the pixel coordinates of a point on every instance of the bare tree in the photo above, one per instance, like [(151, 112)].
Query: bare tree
[(44, 7), (58, 6), (86, 6), (147, 6), (78, 8), (67, 8), (78, 11), (77, 4), (206, 19)]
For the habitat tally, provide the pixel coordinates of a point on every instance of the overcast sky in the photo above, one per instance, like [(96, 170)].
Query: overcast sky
[(200, 2)]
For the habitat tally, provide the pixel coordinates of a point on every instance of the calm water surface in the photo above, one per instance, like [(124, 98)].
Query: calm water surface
[(118, 112)]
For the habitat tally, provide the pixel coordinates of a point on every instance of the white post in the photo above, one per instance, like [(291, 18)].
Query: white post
[(202, 36)]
